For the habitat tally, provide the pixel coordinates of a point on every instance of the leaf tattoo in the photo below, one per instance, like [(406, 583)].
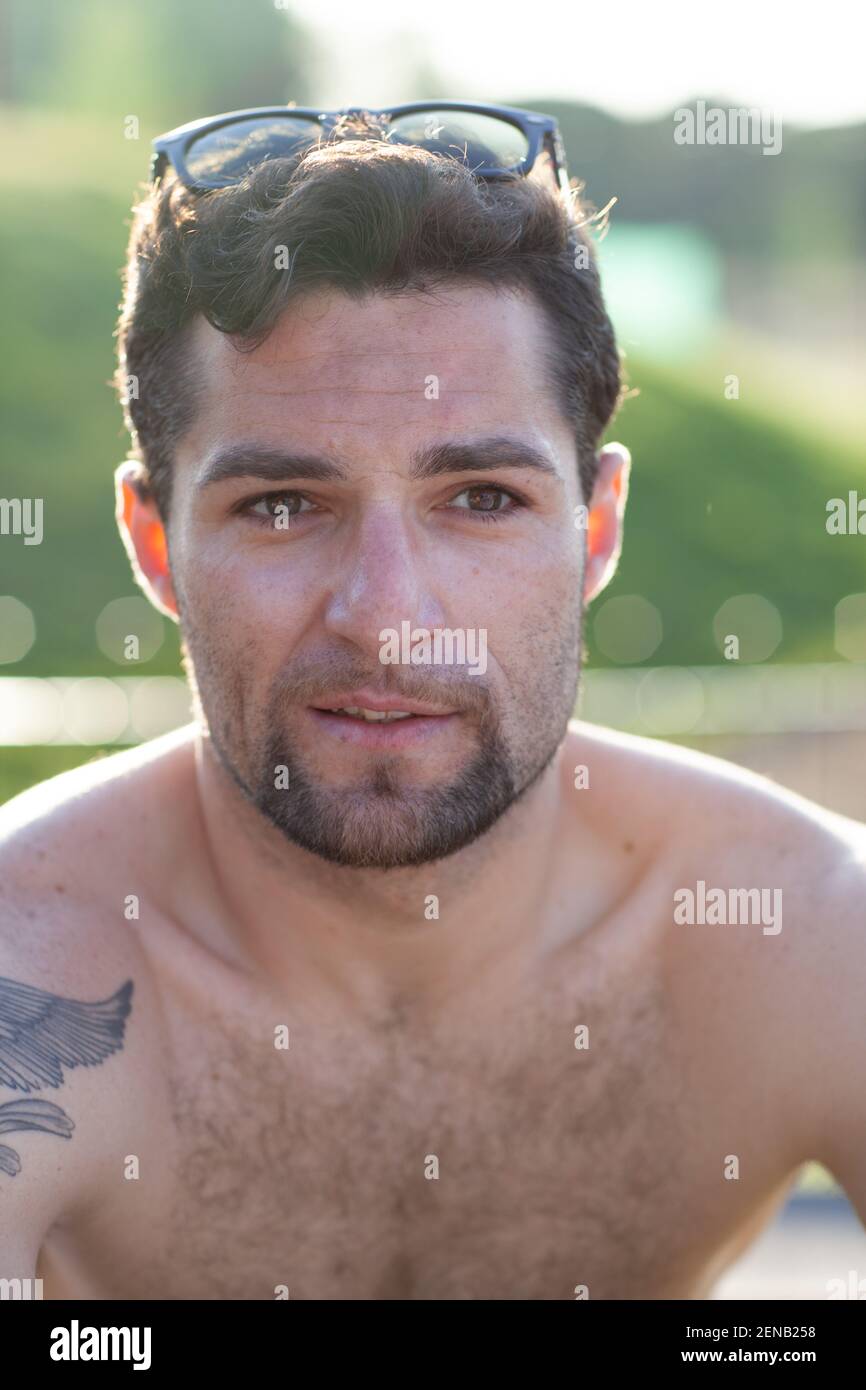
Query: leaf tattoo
[(40, 1034)]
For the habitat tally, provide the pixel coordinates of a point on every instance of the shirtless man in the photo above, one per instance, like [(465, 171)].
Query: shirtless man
[(302, 1002)]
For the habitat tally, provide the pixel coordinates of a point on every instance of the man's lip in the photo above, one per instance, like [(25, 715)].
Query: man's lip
[(365, 699), (377, 735)]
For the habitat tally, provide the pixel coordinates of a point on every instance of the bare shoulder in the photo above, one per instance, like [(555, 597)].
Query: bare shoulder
[(708, 822), (705, 810), (78, 1007), (88, 818), (762, 900)]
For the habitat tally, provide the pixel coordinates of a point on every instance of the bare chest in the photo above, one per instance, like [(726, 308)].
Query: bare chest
[(548, 1150)]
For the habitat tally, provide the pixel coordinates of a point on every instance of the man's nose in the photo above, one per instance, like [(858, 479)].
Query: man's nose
[(382, 580)]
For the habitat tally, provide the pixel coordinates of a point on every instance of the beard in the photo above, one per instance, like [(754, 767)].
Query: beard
[(380, 823), (382, 820)]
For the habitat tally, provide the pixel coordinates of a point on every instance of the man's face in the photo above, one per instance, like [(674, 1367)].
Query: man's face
[(284, 600)]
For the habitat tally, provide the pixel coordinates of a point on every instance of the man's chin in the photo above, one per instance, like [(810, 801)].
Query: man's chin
[(386, 823), (378, 831)]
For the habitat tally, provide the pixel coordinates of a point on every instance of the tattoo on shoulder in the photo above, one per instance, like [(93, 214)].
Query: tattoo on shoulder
[(41, 1034)]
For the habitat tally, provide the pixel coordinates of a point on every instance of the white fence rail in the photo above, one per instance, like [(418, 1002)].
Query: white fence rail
[(661, 700)]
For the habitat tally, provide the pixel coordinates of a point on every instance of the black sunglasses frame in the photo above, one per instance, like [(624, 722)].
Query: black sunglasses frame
[(541, 133)]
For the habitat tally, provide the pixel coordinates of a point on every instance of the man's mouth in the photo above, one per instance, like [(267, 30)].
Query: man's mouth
[(370, 720), (373, 716)]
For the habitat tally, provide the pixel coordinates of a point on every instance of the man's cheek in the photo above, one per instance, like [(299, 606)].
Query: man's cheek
[(215, 585)]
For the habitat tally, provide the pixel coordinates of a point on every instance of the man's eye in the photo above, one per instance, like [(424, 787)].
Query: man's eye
[(485, 501), (275, 508)]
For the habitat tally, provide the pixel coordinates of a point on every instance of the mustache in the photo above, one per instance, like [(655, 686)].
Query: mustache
[(305, 681)]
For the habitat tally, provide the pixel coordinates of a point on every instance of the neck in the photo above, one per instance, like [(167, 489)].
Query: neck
[(375, 935)]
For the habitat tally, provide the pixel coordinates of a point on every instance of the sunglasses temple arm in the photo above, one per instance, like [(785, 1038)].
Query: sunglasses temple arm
[(158, 163), (553, 143)]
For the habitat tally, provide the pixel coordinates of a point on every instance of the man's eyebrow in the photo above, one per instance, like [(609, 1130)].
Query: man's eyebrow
[(267, 464), (478, 455)]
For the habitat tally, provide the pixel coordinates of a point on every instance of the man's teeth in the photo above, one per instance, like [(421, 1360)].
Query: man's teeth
[(378, 716)]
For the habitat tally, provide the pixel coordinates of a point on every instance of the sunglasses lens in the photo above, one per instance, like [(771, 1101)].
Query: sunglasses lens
[(481, 141), (224, 156)]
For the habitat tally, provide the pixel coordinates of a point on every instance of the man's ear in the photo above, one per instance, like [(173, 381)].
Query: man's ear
[(143, 535), (604, 523)]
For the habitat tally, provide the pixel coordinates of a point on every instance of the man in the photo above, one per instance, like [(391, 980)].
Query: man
[(385, 979)]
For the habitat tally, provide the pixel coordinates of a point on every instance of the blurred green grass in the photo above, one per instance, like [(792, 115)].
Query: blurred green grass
[(24, 767)]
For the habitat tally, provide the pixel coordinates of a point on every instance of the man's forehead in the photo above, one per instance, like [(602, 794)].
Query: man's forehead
[(473, 335), (379, 376)]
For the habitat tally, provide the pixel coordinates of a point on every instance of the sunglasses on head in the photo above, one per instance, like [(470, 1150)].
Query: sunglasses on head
[(493, 141)]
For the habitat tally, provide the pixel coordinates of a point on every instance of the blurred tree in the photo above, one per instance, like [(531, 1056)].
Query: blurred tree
[(810, 200)]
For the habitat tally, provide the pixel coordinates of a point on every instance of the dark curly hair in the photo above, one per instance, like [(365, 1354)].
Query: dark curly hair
[(358, 215)]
